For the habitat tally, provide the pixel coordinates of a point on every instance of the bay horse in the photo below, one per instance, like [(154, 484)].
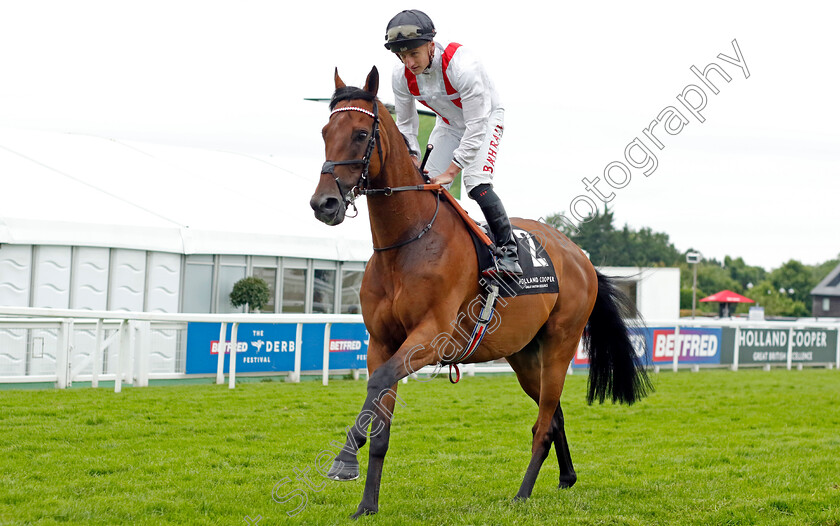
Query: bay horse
[(422, 281)]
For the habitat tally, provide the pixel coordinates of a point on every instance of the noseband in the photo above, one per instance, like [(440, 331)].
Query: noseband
[(362, 184)]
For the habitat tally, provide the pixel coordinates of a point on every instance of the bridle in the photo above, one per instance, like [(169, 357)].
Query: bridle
[(362, 186)]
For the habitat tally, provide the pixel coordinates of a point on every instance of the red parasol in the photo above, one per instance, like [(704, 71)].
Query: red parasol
[(727, 296)]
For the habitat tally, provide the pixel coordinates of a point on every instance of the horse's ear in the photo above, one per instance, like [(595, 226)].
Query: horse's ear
[(372, 82), (338, 82)]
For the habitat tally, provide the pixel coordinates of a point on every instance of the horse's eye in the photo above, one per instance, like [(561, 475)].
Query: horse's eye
[(361, 136)]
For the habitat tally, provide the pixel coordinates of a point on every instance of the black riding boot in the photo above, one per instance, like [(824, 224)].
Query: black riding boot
[(497, 219)]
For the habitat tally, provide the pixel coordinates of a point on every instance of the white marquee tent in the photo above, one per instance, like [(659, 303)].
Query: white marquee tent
[(101, 223), (69, 189)]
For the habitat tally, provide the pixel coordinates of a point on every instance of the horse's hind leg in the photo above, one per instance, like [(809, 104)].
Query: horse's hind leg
[(568, 477), (530, 367), (526, 365)]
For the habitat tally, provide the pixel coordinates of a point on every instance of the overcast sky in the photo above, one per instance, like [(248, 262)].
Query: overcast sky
[(758, 178)]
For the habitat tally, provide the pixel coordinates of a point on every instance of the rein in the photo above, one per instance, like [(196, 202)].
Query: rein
[(362, 186)]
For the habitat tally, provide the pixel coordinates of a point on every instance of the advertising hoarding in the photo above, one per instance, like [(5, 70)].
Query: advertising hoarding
[(270, 347)]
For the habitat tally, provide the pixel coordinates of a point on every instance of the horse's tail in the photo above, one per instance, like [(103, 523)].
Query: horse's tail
[(614, 368)]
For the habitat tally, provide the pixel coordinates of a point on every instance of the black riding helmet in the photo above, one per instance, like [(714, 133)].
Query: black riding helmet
[(408, 30)]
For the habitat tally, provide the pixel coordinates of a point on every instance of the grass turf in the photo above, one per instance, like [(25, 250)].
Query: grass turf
[(717, 447)]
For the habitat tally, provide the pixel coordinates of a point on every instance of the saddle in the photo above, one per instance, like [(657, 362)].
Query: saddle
[(538, 275)]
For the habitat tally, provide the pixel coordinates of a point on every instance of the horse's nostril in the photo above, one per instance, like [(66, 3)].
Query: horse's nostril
[(330, 205), (326, 204)]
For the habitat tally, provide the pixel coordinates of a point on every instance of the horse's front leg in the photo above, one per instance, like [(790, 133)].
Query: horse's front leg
[(377, 412), (346, 464), (381, 413)]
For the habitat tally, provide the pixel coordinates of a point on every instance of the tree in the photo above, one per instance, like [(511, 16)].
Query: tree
[(796, 279), (653, 249), (713, 278), (777, 303), (251, 291), (621, 248), (743, 273)]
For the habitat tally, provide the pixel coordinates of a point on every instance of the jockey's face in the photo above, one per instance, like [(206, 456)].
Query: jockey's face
[(417, 59)]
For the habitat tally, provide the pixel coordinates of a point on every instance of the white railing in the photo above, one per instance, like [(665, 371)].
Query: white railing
[(134, 347), (130, 343), (740, 324), (127, 347)]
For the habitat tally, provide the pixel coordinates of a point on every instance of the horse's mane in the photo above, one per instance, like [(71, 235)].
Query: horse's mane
[(350, 93)]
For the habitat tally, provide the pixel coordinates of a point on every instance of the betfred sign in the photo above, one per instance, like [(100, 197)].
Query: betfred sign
[(345, 345), (348, 346), (693, 345), (658, 344), (240, 347)]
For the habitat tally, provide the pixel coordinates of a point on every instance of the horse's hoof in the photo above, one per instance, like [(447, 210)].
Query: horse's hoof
[(363, 510), (567, 481), (344, 471)]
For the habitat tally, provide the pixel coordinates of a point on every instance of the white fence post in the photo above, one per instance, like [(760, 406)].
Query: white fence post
[(325, 371), (220, 361), (677, 347), (121, 356), (71, 347), (97, 355), (131, 371), (737, 349), (790, 348), (144, 352), (62, 354), (298, 344), (837, 352), (232, 371)]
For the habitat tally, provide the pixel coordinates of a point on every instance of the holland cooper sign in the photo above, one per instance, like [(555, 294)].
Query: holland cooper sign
[(771, 345)]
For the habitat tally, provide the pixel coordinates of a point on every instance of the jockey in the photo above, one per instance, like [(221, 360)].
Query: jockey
[(470, 117)]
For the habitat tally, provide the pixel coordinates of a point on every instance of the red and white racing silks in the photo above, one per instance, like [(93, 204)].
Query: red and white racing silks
[(457, 88), (414, 89)]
